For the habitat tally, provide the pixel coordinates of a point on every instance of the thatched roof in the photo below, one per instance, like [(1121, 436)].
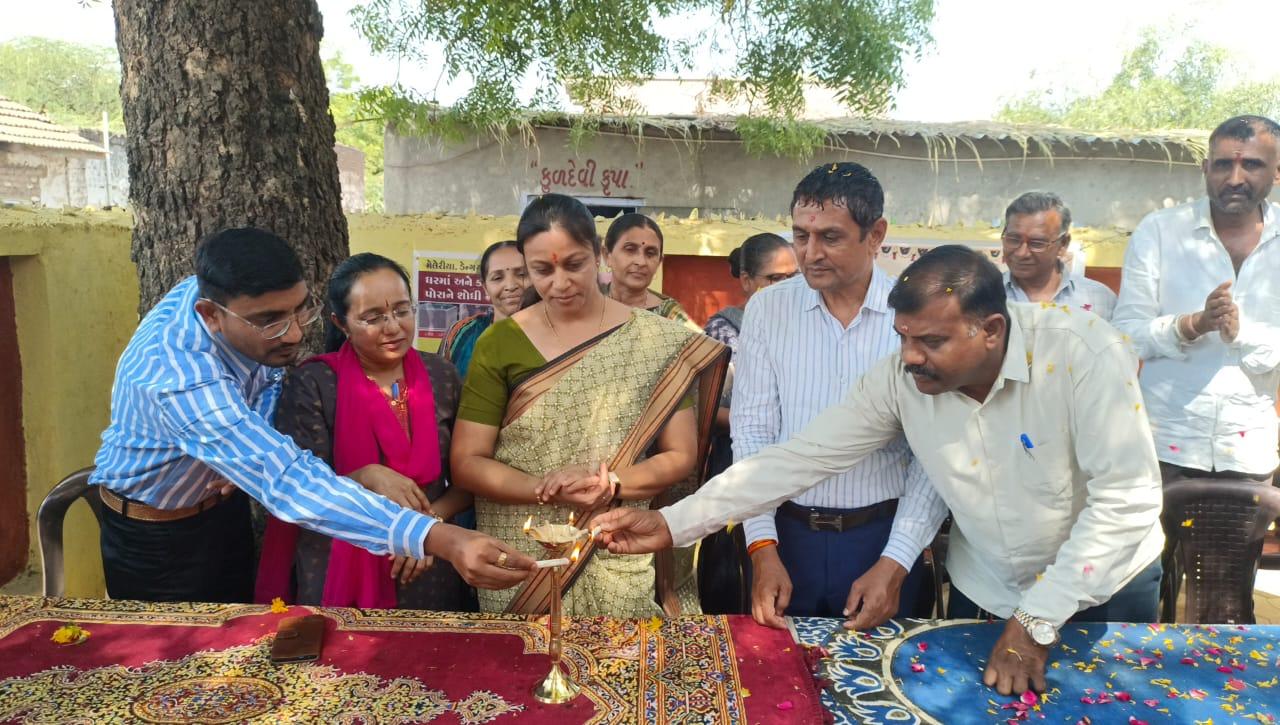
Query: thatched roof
[(942, 139)]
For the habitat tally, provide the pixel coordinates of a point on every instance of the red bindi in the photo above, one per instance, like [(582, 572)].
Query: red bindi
[(555, 258)]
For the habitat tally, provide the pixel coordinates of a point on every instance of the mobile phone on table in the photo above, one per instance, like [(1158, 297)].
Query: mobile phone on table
[(298, 639)]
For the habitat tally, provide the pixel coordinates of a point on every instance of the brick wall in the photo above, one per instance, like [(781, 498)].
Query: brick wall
[(19, 182)]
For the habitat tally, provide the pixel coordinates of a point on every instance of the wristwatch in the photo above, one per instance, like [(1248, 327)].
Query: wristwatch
[(1042, 632)]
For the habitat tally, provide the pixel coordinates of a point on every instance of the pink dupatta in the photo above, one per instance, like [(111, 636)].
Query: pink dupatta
[(366, 431)]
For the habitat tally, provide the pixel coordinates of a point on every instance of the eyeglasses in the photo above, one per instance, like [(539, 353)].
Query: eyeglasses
[(776, 278), (1012, 242), (380, 319), (280, 328)]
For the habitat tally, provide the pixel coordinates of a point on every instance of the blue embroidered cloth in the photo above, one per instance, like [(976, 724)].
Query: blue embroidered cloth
[(914, 671)]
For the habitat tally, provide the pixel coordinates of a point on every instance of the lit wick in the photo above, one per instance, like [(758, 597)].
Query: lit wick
[(577, 551), (571, 518), (528, 524)]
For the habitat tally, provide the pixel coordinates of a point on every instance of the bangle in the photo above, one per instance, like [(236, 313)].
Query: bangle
[(761, 544), (1177, 329)]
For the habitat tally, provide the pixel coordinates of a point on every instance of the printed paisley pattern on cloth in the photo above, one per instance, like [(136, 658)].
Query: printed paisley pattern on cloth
[(681, 670)]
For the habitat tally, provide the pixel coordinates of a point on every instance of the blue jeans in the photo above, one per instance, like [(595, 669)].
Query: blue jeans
[(824, 564), (1137, 601)]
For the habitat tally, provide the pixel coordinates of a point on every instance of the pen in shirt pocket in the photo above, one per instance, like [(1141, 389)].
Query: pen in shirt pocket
[(1027, 445)]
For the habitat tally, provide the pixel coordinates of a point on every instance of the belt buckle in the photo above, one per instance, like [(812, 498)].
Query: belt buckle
[(825, 522)]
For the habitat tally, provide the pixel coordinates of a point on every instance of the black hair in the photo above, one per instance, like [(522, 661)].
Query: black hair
[(484, 258), (1243, 128), (339, 291), (244, 262), (956, 270), (847, 184), (753, 253), (561, 211), (1035, 202), (627, 222)]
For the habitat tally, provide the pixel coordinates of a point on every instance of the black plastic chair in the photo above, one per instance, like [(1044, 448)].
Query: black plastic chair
[(1219, 549), (53, 511)]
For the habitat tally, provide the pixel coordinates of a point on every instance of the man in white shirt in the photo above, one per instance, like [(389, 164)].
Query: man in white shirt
[(1029, 422), (1199, 296), (1037, 232), (853, 542)]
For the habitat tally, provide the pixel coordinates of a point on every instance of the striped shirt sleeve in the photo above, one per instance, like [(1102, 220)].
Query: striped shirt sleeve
[(212, 423)]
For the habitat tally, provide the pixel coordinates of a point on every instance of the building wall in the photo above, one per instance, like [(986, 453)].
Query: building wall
[(351, 177), (1105, 186), (95, 170)]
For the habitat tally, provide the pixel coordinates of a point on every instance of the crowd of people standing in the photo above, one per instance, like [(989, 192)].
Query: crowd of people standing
[(840, 416)]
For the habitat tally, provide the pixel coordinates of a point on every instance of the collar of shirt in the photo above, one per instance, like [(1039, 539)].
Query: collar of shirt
[(1203, 217), (1014, 290), (877, 299)]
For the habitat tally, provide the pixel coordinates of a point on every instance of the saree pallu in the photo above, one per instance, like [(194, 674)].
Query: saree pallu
[(606, 400)]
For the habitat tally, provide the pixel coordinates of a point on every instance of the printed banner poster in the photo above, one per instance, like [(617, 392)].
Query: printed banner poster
[(447, 288)]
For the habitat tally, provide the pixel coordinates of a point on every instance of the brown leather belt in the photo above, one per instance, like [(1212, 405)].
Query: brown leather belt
[(142, 512), (820, 519)]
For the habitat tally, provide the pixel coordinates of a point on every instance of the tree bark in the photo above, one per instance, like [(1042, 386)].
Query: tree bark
[(228, 125)]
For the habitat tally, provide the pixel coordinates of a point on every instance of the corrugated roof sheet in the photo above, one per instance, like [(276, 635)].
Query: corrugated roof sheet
[(21, 125)]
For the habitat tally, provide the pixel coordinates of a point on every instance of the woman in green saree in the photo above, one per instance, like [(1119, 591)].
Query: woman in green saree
[(566, 384)]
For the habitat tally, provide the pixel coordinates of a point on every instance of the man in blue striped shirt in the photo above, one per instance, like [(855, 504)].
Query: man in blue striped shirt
[(852, 543), (190, 435)]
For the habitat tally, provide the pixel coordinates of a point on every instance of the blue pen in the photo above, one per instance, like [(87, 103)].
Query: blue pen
[(1027, 445)]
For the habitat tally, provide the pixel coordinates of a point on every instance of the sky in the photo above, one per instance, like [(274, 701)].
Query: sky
[(985, 51)]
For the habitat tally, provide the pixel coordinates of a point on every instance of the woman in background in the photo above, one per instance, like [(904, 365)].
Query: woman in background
[(372, 399), (503, 276), (633, 251), (724, 570)]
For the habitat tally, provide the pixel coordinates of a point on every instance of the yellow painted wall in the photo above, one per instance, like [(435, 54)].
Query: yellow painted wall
[(76, 295), (76, 299)]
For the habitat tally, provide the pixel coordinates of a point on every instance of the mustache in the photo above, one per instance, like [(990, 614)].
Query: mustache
[(921, 370)]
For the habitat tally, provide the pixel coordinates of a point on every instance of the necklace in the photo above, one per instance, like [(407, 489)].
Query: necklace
[(547, 316)]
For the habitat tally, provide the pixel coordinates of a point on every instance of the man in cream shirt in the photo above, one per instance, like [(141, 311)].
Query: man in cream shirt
[(1029, 421)]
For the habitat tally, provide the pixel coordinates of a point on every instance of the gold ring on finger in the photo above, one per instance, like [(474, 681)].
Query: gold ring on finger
[(502, 559)]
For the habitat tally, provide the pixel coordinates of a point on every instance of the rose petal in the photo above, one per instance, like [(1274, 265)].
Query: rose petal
[(923, 646), (785, 705), (1188, 661), (1124, 696), (1029, 698), (917, 667)]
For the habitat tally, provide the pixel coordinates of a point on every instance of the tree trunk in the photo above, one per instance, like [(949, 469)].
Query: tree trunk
[(228, 125)]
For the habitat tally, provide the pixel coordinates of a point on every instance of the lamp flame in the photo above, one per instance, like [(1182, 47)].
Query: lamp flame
[(577, 551), (571, 518), (528, 523)]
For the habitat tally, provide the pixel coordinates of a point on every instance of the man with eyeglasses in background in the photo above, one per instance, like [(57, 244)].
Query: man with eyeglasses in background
[(1037, 231), (190, 435)]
